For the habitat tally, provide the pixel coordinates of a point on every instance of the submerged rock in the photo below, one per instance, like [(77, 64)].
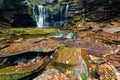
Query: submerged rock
[(58, 34), (71, 35), (72, 61), (67, 35)]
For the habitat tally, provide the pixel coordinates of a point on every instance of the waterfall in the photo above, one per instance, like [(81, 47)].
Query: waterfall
[(39, 15), (66, 11), (44, 17), (61, 13), (40, 20)]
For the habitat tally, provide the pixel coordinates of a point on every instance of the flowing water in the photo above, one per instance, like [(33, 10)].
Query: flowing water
[(40, 14), (66, 11)]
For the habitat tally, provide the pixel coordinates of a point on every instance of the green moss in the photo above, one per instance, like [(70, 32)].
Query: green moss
[(84, 76), (32, 31), (62, 67), (13, 76), (9, 73), (33, 16)]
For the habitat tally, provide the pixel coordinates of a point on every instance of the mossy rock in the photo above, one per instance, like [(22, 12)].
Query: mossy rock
[(74, 60), (32, 31), (15, 73)]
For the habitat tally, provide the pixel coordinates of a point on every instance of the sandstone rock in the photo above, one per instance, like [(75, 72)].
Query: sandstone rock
[(52, 74), (112, 29), (101, 68), (93, 48), (19, 71), (72, 61), (30, 45)]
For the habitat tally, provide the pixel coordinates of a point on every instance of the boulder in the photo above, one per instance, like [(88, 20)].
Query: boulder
[(72, 61)]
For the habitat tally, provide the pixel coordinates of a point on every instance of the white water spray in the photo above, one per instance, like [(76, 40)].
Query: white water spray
[(40, 16), (66, 11), (61, 13)]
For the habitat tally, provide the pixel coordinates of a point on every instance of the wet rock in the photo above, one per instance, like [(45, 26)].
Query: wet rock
[(72, 61), (67, 35), (71, 35), (58, 34), (30, 45)]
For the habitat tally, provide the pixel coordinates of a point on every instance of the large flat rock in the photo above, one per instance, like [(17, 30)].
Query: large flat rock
[(112, 29), (30, 45), (94, 48)]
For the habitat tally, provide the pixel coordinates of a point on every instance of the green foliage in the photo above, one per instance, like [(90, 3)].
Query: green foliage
[(111, 72), (84, 76), (33, 2)]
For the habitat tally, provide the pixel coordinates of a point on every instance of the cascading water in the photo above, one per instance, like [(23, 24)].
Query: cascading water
[(61, 13), (39, 15), (46, 17), (66, 11)]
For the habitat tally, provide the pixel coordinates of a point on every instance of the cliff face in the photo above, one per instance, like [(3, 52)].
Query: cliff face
[(1, 3), (19, 12), (10, 10), (101, 9), (93, 10)]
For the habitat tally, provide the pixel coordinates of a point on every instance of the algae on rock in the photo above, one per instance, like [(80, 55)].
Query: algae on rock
[(73, 61)]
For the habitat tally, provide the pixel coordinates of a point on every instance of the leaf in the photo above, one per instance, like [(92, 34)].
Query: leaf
[(111, 72)]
